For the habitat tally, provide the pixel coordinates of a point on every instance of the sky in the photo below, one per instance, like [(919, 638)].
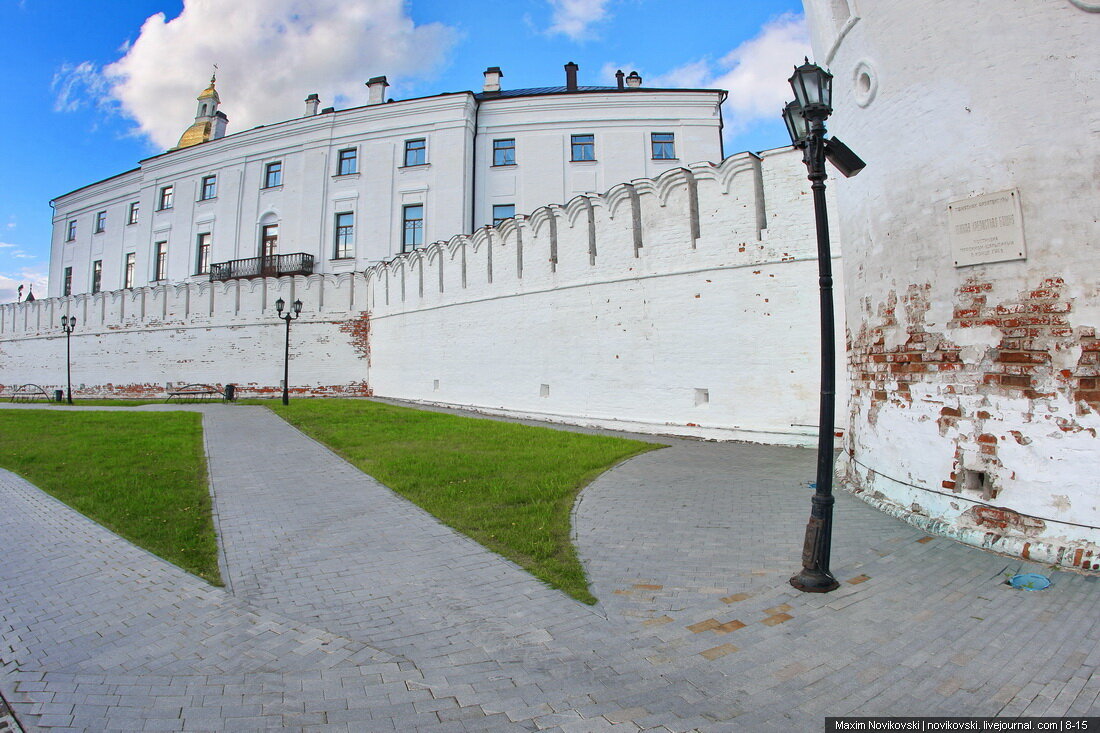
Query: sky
[(94, 87)]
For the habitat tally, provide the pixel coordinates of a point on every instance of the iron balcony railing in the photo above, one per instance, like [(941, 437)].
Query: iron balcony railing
[(298, 263)]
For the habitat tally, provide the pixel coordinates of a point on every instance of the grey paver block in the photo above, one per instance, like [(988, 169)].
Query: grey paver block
[(347, 606)]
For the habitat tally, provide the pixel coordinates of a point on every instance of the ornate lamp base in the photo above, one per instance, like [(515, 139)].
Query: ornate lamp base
[(814, 581)]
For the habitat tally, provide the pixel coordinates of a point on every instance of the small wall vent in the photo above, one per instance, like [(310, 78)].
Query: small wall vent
[(977, 482)]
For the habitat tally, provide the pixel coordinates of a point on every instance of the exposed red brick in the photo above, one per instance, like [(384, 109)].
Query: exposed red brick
[(359, 331), (1023, 357), (1001, 518)]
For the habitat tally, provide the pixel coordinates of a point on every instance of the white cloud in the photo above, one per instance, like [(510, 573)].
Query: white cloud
[(270, 55), (10, 282), (78, 86), (574, 18), (755, 73), (696, 75), (607, 71)]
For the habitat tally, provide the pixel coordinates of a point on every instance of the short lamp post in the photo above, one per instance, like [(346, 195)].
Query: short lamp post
[(805, 119), (294, 312), (68, 325)]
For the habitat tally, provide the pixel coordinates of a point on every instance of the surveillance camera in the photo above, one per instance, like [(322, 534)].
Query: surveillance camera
[(841, 156)]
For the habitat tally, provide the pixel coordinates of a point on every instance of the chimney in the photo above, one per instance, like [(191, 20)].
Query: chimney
[(571, 76), (492, 79), (619, 78), (377, 87), (634, 80), (220, 123), (312, 103)]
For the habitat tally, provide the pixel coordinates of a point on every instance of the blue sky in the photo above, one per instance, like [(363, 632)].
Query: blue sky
[(92, 88)]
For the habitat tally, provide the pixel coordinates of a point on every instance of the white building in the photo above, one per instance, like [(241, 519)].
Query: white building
[(337, 191)]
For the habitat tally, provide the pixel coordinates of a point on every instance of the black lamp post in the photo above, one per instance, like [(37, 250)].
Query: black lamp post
[(805, 118), (68, 325), (294, 312)]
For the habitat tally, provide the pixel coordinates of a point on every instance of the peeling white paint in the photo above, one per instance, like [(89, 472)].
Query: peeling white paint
[(1001, 393)]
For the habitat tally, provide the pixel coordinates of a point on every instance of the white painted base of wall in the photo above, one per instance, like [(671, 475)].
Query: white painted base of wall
[(800, 439), (943, 516)]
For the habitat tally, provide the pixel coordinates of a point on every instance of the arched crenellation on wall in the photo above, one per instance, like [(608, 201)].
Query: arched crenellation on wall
[(635, 276)]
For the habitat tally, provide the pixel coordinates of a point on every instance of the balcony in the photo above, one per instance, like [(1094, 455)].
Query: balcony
[(298, 263)]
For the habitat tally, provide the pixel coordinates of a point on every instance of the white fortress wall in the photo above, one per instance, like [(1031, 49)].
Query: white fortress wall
[(134, 343), (683, 304)]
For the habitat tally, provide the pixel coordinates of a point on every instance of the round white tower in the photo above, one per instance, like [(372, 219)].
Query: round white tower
[(971, 264)]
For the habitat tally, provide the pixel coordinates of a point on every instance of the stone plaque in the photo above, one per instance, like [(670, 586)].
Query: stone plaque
[(986, 228)]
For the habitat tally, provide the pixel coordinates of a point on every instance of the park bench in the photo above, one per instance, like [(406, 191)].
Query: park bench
[(29, 393), (197, 393)]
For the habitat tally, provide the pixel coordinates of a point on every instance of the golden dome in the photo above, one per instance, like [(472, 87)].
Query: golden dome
[(193, 135), (210, 91)]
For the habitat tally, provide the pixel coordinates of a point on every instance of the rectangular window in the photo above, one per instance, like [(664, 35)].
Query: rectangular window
[(100, 222), (504, 152), (502, 212), (70, 233), (165, 200), (412, 235), (160, 260), (202, 255), (584, 147), (67, 285), (128, 276), (347, 162), (97, 276), (345, 235), (416, 152), (269, 240), (273, 174), (209, 188), (663, 145), (132, 218)]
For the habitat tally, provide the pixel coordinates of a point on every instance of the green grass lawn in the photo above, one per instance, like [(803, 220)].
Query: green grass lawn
[(510, 487), (141, 475), (109, 402), (98, 402)]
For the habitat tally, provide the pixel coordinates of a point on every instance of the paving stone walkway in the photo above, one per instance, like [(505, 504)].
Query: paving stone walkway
[(347, 608)]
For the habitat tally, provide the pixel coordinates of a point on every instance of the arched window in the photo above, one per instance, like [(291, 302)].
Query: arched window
[(269, 235)]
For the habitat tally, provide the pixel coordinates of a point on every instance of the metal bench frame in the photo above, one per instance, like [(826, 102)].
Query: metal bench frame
[(195, 393), (29, 393)]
